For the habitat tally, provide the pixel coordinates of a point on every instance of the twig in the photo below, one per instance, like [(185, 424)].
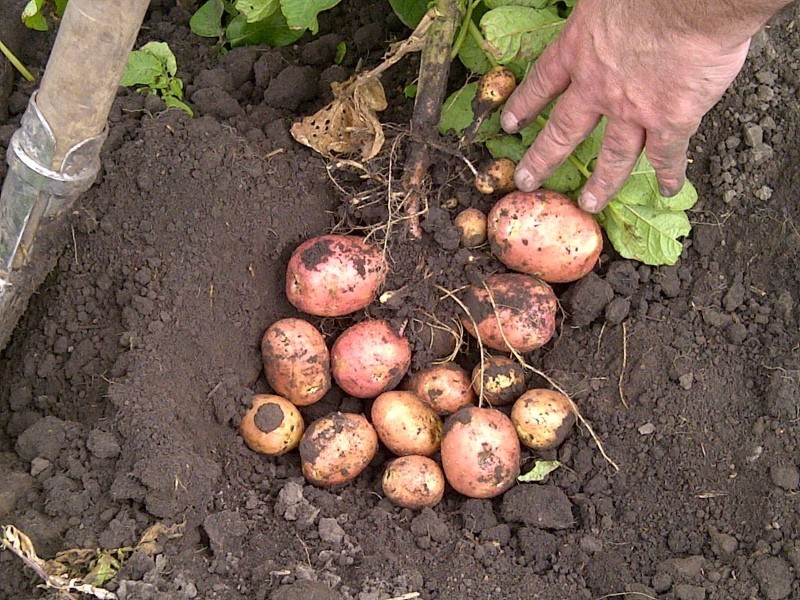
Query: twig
[(16, 62), (624, 364)]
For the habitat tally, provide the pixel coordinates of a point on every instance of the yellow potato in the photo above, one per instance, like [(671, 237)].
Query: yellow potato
[(272, 425), (501, 379), (405, 424), (542, 418), (413, 482), (445, 387)]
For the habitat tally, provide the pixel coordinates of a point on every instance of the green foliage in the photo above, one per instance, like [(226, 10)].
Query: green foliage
[(410, 12), (541, 469), (34, 14), (152, 68), (251, 22)]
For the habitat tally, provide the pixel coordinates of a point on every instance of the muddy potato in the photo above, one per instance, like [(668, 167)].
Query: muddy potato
[(494, 88), (369, 358), (496, 177), (413, 482), (272, 425), (542, 418), (480, 452), (296, 361), (546, 234), (501, 379), (405, 424), (471, 224), (445, 387), (334, 275), (511, 307), (337, 448)]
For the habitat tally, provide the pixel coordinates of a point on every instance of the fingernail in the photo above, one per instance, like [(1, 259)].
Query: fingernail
[(588, 202), (525, 180), (509, 122)]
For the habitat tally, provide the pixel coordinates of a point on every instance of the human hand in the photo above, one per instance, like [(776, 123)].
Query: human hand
[(641, 65)]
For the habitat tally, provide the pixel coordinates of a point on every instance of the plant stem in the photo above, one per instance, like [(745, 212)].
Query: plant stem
[(476, 35), (433, 71), (462, 32), (541, 121), (16, 62)]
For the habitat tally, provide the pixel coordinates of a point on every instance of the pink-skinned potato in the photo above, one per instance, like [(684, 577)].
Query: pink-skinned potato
[(544, 233), (334, 275), (445, 387), (296, 361), (405, 424), (511, 311), (336, 448), (413, 482), (369, 358), (480, 452)]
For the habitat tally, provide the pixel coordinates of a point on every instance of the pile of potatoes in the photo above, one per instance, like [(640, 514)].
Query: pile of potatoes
[(441, 423)]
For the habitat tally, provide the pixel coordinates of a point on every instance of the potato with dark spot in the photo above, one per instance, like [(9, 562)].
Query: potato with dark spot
[(496, 177), (500, 379), (336, 448), (296, 361), (335, 275), (272, 425), (542, 418), (511, 310), (369, 358), (413, 482), (480, 452), (546, 234), (405, 424), (445, 387)]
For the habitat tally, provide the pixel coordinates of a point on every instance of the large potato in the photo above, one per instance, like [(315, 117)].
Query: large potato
[(500, 379), (296, 361), (405, 424), (542, 418), (336, 448), (413, 482), (334, 275), (544, 233), (445, 387), (369, 358), (520, 307), (480, 452), (272, 425)]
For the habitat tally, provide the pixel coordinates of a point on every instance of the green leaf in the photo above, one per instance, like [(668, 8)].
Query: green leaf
[(410, 91), (643, 225), (256, 10), (142, 69), (32, 16), (456, 112), (174, 102), (341, 51), (207, 20), (410, 12), (162, 52), (61, 6), (272, 31), (302, 14), (519, 33), (540, 470), (473, 57), (506, 146), (528, 3)]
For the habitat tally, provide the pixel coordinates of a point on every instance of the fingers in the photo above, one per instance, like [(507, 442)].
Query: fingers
[(622, 145), (667, 153), (546, 80), (569, 124)]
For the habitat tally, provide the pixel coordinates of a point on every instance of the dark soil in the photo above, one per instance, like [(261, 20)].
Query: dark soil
[(122, 387)]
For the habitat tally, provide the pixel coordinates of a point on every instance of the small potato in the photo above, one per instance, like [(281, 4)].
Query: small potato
[(334, 275), (494, 88), (546, 234), (480, 452), (514, 307), (496, 177), (272, 425), (501, 379), (471, 223), (337, 448), (405, 424), (445, 387), (369, 358), (413, 482), (296, 361), (542, 418)]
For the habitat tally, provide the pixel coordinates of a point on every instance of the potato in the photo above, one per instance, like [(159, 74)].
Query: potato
[(445, 387), (413, 482), (296, 361), (501, 380), (496, 177), (471, 223), (337, 448), (480, 452), (524, 306), (405, 424), (369, 358), (544, 233), (494, 88), (542, 418), (334, 275), (272, 425)]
